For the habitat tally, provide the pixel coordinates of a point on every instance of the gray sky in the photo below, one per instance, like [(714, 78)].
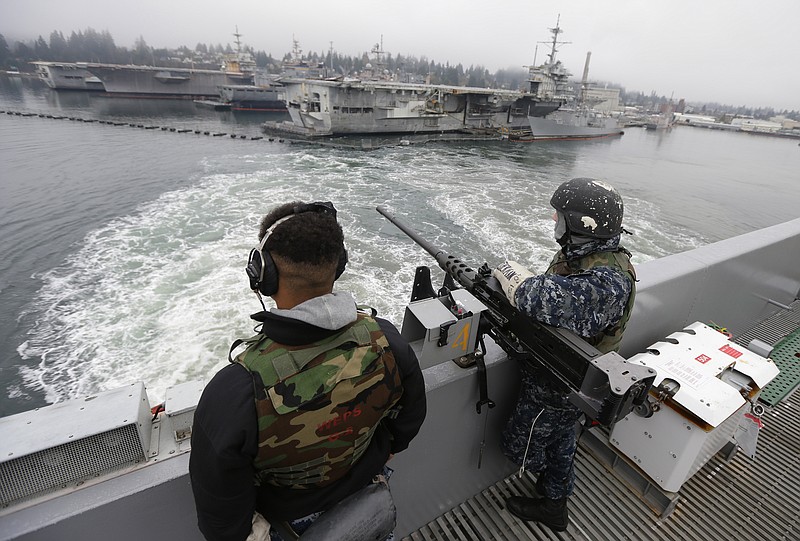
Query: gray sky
[(738, 52)]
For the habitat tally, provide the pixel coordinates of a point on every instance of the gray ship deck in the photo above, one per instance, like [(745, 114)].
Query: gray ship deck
[(729, 498), (742, 280)]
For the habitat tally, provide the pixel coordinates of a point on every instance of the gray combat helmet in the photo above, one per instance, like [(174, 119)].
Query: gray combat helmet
[(591, 208)]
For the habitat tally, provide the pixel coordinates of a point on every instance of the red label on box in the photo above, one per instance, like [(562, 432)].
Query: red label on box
[(702, 359), (733, 352)]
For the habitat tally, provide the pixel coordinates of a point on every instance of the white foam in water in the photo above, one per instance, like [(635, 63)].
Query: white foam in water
[(159, 295)]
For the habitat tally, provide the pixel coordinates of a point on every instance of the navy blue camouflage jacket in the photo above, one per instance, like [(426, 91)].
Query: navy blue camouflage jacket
[(585, 303)]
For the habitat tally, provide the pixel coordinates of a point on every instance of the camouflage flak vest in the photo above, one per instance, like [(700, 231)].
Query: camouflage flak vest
[(609, 339), (318, 405)]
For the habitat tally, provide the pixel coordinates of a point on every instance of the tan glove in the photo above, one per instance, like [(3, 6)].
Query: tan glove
[(511, 275)]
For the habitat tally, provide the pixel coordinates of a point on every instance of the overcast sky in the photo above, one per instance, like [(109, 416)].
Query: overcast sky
[(738, 52)]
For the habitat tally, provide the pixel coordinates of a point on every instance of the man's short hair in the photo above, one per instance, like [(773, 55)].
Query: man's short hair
[(306, 247)]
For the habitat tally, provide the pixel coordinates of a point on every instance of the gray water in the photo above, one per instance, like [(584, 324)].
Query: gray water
[(122, 250)]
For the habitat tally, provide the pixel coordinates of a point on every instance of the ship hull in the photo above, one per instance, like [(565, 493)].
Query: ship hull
[(252, 98), (569, 127), (143, 81), (381, 107)]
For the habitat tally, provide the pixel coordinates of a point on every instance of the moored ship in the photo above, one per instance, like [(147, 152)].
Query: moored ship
[(347, 107), (129, 80), (572, 125), (267, 92), (153, 81), (377, 103), (663, 120), (141, 81), (252, 97)]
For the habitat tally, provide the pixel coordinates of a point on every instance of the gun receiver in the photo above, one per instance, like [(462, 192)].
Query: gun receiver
[(604, 386)]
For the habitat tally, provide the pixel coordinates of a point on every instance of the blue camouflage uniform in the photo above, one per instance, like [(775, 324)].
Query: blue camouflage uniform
[(589, 302)]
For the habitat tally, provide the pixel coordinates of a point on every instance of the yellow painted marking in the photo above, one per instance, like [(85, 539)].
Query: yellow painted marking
[(462, 339)]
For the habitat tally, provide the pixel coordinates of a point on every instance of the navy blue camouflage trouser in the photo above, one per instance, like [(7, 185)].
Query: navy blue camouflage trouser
[(553, 443)]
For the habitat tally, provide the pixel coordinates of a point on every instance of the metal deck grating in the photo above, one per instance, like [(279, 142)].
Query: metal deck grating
[(786, 355), (738, 498), (781, 331)]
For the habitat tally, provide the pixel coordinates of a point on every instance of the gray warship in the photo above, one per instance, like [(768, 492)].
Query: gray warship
[(376, 102), (128, 80), (267, 91), (577, 120), (258, 97), (571, 124)]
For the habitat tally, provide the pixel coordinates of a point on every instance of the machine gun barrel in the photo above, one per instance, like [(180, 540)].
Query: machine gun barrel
[(605, 386), (459, 270)]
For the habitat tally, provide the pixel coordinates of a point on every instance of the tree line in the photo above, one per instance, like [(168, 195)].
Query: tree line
[(92, 46)]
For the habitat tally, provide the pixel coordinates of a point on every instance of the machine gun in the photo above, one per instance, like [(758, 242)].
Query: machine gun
[(604, 386)]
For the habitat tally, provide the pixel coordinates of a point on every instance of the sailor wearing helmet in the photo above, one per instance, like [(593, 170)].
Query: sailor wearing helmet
[(589, 289)]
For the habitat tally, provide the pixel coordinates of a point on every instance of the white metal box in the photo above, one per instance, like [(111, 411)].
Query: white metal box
[(68, 443), (716, 380)]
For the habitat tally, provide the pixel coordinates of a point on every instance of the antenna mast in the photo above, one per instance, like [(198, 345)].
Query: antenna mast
[(237, 35), (555, 43)]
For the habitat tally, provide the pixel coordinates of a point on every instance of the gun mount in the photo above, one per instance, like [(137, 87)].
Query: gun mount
[(603, 385)]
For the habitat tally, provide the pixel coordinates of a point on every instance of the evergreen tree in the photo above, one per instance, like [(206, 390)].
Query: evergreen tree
[(5, 52), (91, 45), (262, 60), (41, 50), (107, 48), (22, 53), (142, 54), (75, 46), (58, 46)]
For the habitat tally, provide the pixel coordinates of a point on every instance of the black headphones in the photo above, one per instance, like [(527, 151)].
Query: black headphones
[(261, 269)]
